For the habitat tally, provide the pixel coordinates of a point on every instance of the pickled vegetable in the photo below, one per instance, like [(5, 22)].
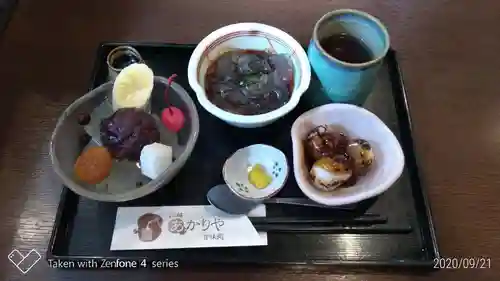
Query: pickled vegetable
[(258, 177)]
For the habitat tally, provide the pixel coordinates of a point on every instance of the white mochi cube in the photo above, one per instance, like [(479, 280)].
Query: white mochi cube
[(155, 159)]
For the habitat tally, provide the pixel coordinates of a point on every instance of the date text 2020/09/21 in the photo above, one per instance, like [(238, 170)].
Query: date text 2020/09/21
[(462, 263), (112, 264)]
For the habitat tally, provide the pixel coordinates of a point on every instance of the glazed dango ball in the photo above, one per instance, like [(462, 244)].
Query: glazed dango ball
[(323, 142), (329, 173), (337, 160), (362, 155)]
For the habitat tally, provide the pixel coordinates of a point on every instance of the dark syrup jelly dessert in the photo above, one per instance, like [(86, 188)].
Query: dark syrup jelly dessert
[(123, 56), (249, 82), (125, 60)]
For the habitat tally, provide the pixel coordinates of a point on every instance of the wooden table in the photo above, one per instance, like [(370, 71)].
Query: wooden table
[(448, 53)]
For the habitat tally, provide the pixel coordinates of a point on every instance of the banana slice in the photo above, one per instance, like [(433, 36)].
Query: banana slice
[(133, 87)]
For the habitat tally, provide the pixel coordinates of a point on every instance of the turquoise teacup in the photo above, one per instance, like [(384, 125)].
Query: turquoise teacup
[(344, 81)]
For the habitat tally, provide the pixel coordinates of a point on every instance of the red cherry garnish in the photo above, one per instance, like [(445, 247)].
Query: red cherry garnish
[(172, 117)]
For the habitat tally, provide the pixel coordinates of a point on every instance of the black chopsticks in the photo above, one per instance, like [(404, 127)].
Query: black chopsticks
[(297, 229), (314, 221), (372, 224)]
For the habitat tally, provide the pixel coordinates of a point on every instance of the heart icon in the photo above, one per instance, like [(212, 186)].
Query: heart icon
[(24, 262)]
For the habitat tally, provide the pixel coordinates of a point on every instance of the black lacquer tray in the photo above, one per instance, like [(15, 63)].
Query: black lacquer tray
[(83, 228)]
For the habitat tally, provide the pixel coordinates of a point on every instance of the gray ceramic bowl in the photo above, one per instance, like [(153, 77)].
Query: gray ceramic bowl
[(125, 182)]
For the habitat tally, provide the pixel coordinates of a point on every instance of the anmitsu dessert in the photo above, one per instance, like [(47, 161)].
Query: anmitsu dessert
[(334, 159), (127, 131), (130, 135), (249, 82)]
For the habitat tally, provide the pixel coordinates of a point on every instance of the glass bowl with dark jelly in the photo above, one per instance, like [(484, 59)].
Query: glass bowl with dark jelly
[(80, 129)]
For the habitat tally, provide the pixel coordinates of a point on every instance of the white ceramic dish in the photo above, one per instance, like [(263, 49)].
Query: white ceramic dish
[(236, 168), (358, 123), (253, 36)]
